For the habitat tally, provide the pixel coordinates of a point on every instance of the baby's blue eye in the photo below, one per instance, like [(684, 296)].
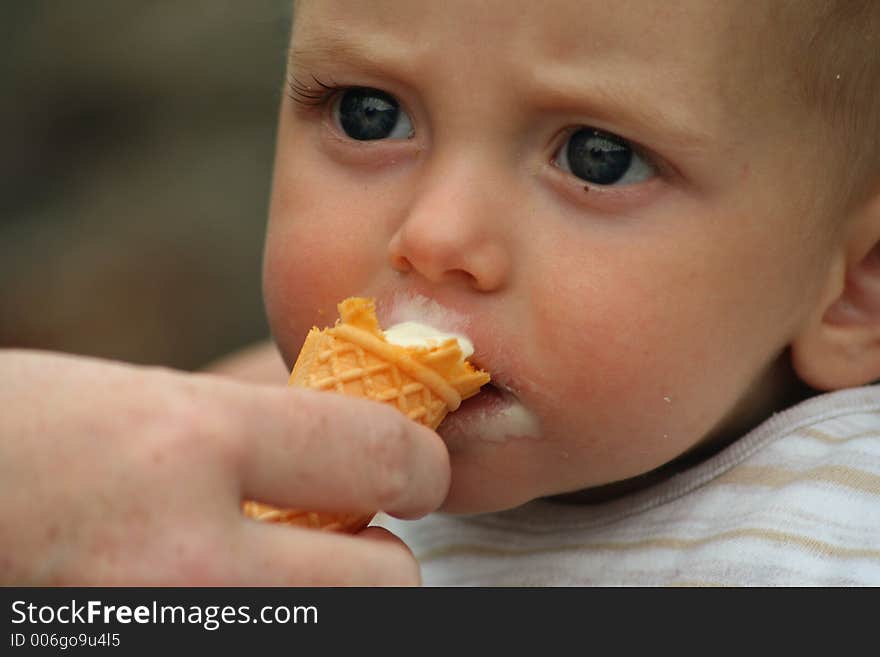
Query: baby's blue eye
[(368, 114), (602, 158)]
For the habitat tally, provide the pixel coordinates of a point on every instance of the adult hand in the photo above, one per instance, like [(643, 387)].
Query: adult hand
[(113, 474)]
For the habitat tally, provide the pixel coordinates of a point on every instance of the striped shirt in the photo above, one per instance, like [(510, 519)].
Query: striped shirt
[(795, 502)]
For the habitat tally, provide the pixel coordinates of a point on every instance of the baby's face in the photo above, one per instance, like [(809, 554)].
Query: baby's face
[(614, 201)]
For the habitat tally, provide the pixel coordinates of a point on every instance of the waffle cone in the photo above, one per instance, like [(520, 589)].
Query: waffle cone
[(354, 358)]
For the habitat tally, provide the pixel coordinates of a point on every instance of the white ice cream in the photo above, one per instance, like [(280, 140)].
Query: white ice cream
[(416, 334), (500, 416)]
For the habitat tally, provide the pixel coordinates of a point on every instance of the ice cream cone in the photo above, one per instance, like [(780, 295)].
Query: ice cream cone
[(354, 358)]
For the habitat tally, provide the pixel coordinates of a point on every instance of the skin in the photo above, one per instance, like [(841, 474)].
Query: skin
[(112, 474), (637, 323)]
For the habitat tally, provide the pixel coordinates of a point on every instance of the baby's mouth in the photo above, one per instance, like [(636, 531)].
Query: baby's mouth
[(495, 414)]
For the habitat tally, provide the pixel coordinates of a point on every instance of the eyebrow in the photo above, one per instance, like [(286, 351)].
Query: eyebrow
[(669, 126), (559, 88), (367, 53)]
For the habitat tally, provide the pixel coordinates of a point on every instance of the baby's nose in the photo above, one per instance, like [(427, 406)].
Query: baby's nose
[(451, 233)]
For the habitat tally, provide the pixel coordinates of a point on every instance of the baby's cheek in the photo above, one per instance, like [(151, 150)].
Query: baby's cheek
[(627, 394), (294, 292), (307, 271)]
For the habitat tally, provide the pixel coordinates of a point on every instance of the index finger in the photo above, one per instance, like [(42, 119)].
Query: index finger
[(328, 452)]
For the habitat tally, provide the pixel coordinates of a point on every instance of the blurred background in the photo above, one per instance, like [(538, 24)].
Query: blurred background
[(136, 146)]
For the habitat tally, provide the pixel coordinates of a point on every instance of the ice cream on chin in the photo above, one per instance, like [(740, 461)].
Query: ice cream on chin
[(421, 371)]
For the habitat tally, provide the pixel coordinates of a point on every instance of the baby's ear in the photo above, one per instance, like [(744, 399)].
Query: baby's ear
[(840, 347)]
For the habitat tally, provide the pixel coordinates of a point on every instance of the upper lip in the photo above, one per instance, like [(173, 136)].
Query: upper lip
[(414, 306)]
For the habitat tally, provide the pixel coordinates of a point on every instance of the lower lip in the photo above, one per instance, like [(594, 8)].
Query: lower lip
[(493, 415)]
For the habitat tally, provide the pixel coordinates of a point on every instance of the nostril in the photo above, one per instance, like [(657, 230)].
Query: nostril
[(401, 264), (466, 277)]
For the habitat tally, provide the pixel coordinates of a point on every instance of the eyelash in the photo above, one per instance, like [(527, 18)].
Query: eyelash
[(307, 95)]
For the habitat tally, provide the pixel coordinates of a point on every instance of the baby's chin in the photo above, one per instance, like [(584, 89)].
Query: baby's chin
[(477, 488), (492, 440)]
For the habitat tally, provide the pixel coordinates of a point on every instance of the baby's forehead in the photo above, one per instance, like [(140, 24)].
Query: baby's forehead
[(567, 24), (573, 32), (703, 53)]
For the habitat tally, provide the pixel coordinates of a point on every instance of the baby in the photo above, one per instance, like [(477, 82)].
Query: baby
[(658, 223)]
